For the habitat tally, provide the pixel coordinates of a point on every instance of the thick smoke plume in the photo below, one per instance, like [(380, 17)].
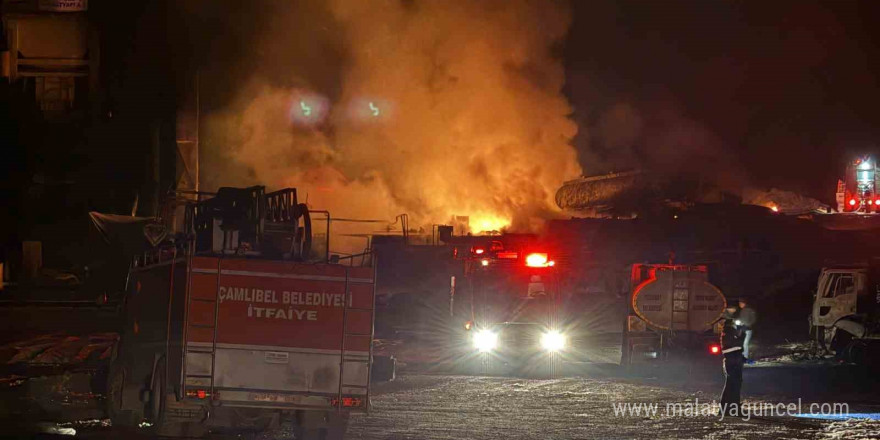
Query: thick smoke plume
[(377, 108), (658, 136)]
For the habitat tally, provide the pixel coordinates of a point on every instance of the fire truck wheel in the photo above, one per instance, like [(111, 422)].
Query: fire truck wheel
[(115, 387), (159, 397)]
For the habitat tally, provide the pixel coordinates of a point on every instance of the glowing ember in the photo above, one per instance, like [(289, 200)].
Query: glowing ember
[(775, 208)]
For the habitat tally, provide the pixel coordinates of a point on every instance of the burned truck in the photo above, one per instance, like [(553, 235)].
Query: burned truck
[(845, 318), (235, 323)]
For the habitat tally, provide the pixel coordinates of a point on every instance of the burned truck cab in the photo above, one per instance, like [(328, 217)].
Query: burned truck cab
[(845, 318)]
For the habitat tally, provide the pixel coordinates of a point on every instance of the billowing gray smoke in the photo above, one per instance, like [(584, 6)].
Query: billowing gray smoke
[(375, 108)]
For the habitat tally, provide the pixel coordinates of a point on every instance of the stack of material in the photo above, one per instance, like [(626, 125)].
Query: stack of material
[(638, 191), (596, 192)]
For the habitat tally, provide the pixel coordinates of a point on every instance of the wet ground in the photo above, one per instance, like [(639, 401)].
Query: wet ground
[(424, 403), (428, 406), (447, 407)]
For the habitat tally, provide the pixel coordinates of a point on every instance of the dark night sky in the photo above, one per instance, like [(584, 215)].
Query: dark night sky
[(780, 93)]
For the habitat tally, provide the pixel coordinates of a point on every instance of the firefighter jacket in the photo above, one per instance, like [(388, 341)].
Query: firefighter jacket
[(732, 338)]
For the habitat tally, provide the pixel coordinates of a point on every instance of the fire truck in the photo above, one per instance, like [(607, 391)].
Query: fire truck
[(510, 307), (236, 323), (857, 191)]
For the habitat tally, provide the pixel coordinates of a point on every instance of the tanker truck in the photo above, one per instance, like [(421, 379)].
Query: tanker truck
[(673, 311)]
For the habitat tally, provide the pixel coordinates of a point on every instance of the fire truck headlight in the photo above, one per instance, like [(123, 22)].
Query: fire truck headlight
[(485, 341), (553, 341)]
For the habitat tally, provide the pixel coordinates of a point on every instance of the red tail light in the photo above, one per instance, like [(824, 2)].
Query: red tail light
[(201, 394), (714, 349), (347, 402), (538, 259)]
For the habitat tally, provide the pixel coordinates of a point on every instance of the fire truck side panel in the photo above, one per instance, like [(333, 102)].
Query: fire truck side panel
[(279, 330)]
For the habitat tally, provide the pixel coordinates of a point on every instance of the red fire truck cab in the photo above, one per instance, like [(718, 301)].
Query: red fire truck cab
[(512, 301), (857, 191), (236, 325)]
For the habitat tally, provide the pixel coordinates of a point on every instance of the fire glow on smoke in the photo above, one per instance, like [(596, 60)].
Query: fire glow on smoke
[(488, 223), (437, 109)]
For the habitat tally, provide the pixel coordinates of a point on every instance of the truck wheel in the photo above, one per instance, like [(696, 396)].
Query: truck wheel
[(115, 387), (116, 376), (841, 344), (159, 397), (857, 352), (824, 337), (833, 341)]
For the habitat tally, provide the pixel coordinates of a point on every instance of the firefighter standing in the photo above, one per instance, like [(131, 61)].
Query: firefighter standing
[(732, 349)]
